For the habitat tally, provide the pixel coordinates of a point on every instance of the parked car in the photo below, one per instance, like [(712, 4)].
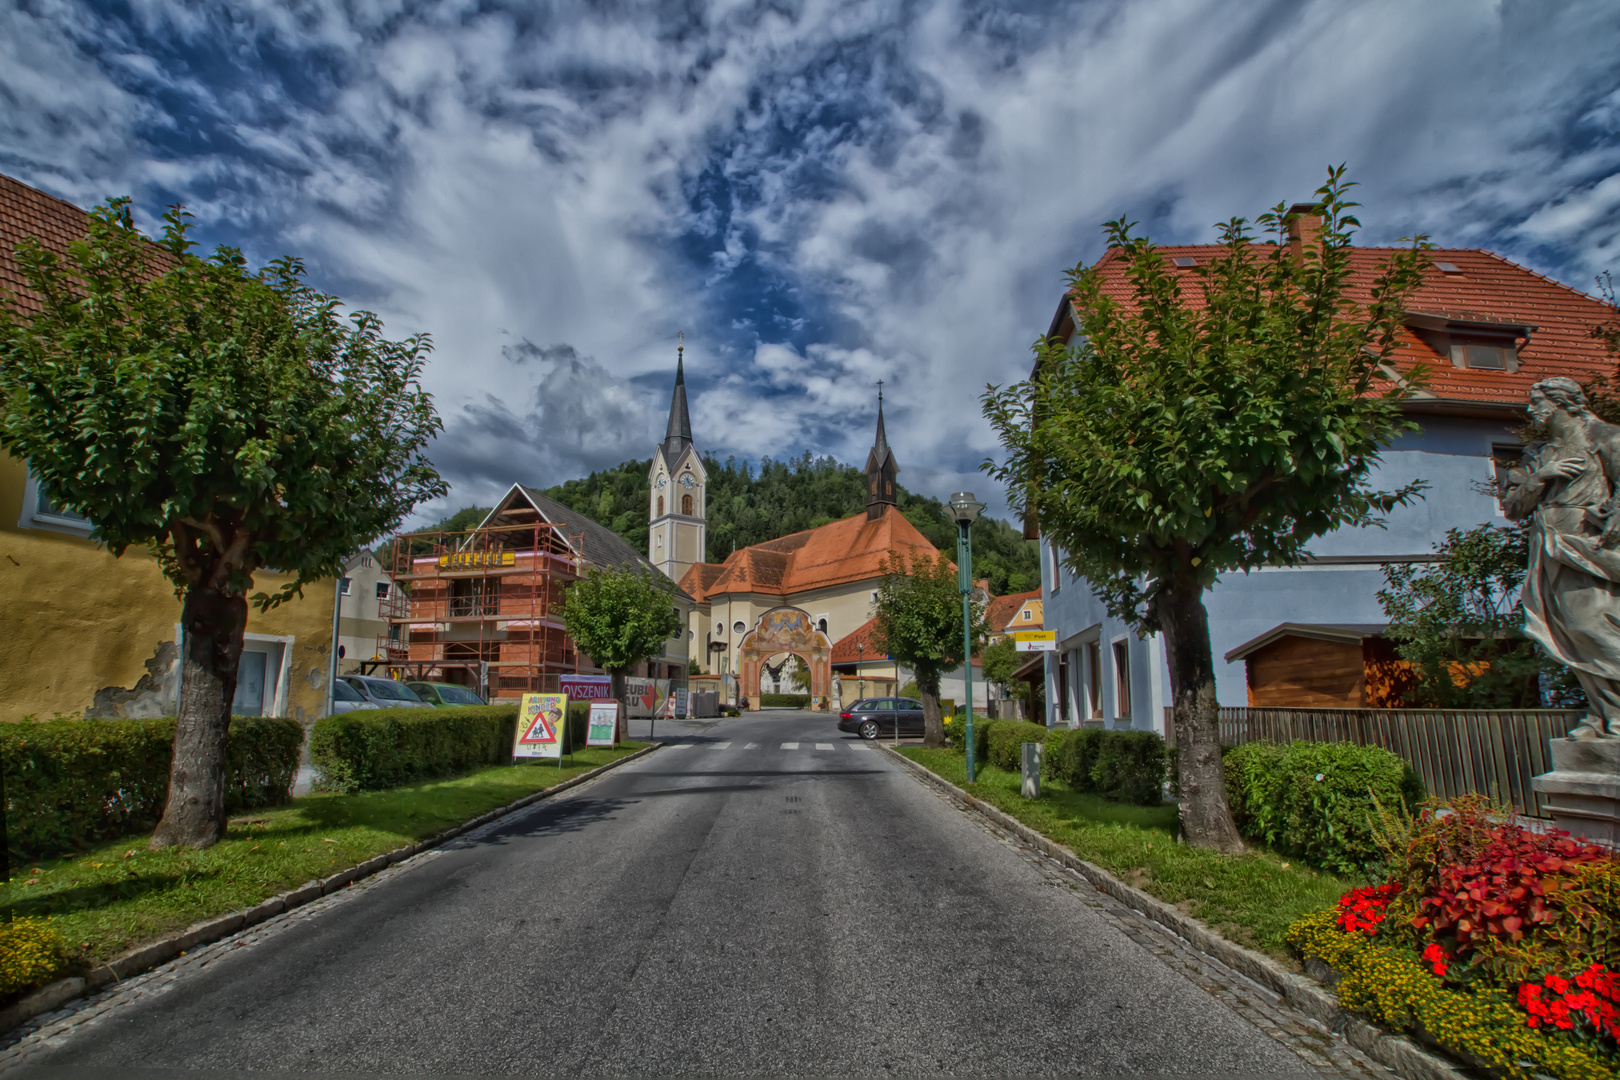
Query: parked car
[(875, 718), (445, 695), (385, 693), (346, 698)]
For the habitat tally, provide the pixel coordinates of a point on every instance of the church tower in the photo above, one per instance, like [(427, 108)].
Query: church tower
[(881, 469), (677, 529)]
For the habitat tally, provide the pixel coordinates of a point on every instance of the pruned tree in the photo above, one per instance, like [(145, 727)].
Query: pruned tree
[(227, 421), (1191, 431), (620, 617), (919, 625), (1000, 661)]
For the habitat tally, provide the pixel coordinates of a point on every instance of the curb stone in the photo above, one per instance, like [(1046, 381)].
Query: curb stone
[(153, 953), (1395, 1052)]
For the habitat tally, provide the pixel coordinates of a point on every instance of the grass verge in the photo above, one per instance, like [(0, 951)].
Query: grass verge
[(117, 895), (1251, 899)]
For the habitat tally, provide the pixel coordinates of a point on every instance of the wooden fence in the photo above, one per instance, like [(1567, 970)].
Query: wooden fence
[(1494, 753)]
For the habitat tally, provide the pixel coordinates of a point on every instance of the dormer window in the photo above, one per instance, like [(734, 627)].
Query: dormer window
[(1484, 355), (1184, 261)]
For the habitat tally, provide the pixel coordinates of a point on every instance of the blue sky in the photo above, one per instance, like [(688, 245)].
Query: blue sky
[(819, 194)]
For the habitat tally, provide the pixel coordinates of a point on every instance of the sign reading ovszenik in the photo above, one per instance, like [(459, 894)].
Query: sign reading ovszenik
[(604, 726), (1035, 640), (541, 718)]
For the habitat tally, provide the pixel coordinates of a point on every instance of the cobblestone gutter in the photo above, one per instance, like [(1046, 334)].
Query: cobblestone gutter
[(145, 957), (1301, 994)]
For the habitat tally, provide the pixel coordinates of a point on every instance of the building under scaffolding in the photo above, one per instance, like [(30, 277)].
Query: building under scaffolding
[(483, 607)]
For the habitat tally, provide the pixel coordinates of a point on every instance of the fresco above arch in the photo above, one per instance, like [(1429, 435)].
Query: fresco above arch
[(786, 630)]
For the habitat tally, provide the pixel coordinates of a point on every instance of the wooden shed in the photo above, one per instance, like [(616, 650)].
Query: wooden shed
[(1322, 665)]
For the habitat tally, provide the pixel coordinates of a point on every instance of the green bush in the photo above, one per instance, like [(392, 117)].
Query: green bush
[(1006, 742), (784, 701), (73, 783), (370, 749), (1070, 753), (1130, 767), (956, 733), (1315, 800)]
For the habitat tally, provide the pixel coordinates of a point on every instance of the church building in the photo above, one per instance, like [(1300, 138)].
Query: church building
[(821, 581)]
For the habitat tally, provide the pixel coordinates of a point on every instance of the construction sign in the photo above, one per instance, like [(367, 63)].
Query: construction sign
[(1035, 640), (541, 723)]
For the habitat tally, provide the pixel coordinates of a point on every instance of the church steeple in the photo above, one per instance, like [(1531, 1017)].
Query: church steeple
[(881, 469), (678, 434)]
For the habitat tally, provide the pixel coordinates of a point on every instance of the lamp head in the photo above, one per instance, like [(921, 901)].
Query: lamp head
[(965, 509)]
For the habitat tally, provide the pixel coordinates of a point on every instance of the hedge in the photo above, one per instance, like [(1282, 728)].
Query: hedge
[(1125, 766), (370, 749), (73, 783), (1315, 800), (1006, 742), (784, 701)]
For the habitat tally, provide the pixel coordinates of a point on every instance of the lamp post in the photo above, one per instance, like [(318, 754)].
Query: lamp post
[(965, 509), (860, 672)]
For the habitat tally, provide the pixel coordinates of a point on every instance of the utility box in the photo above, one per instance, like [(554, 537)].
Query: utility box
[(1033, 752)]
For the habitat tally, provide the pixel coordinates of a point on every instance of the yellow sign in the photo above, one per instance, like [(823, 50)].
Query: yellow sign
[(1035, 640), (467, 559), (540, 726)]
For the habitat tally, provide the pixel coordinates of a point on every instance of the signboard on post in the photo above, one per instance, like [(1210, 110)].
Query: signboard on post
[(540, 726), (1035, 640), (603, 729), (586, 687)]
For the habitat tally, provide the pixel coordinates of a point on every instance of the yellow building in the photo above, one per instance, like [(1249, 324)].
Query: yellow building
[(88, 633)]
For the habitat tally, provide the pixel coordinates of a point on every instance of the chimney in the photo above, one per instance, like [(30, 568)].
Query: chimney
[(1304, 224)]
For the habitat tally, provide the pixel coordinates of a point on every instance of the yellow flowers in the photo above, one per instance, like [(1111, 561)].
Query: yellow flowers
[(30, 953)]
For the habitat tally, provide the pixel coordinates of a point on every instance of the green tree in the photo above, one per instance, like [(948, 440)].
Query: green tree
[(227, 421), (1195, 430), (621, 617), (1000, 661), (1459, 623), (919, 624)]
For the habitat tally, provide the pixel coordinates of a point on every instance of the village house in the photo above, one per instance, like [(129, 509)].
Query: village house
[(1309, 634)]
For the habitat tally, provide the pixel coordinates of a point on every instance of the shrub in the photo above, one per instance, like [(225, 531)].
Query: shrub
[(956, 733), (30, 953), (1006, 741), (383, 748), (1070, 754), (1130, 767), (784, 701), (73, 783), (1317, 801)]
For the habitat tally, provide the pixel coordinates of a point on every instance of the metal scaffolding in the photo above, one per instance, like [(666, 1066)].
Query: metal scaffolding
[(481, 608)]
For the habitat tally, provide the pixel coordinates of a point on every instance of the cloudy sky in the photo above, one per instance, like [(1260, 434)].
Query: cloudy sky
[(819, 194)]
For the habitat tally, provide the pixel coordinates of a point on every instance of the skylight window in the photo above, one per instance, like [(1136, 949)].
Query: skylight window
[(1185, 260), (1448, 268)]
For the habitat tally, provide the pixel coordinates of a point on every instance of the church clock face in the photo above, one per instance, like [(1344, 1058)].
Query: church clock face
[(661, 482), (687, 481)]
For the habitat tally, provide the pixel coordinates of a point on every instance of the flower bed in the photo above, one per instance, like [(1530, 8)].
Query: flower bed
[(1496, 942)]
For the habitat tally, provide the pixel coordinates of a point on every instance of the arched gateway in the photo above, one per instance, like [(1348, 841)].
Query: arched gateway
[(786, 630)]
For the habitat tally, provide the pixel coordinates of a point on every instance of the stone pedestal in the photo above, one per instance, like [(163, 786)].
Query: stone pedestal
[(1583, 790)]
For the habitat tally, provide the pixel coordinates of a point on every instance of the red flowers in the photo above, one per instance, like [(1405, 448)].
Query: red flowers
[(1361, 910), (1437, 958), (1590, 1000)]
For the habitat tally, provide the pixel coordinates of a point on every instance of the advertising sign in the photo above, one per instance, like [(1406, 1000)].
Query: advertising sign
[(586, 687), (540, 726), (646, 697), (1035, 640), (604, 726)]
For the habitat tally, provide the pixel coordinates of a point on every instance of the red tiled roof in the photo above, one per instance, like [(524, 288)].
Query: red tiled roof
[(847, 649), (1488, 289), (1003, 609), (834, 554)]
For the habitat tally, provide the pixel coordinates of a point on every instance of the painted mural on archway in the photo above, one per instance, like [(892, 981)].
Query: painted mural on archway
[(786, 630)]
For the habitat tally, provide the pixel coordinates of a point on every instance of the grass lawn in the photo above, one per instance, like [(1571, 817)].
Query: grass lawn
[(1251, 898), (108, 898)]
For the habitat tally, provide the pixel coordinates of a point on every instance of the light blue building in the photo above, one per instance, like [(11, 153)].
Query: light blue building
[(1489, 329)]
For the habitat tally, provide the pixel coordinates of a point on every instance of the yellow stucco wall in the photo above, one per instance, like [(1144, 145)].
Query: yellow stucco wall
[(78, 621)]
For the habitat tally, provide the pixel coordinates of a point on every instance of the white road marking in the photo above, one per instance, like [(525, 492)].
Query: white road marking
[(678, 746), (790, 746), (752, 746), (721, 746), (824, 746)]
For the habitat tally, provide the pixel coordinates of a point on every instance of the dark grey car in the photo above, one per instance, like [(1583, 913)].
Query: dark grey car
[(877, 718)]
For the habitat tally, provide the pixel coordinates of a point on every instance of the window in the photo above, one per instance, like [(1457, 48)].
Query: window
[(382, 590), (1094, 679), (660, 506), (39, 511), (677, 634), (1484, 355), (250, 672), (1505, 457), (686, 505), (738, 627), (1122, 679), (1184, 261), (719, 629), (821, 624), (1027, 615), (344, 585), (1448, 268), (1054, 568)]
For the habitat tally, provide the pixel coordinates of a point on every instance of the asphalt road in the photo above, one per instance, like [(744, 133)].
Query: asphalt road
[(767, 897)]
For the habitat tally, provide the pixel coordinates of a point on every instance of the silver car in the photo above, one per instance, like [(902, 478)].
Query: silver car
[(385, 693), (346, 698)]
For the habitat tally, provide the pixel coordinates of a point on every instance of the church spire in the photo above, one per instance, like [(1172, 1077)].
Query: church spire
[(678, 435), (881, 469)]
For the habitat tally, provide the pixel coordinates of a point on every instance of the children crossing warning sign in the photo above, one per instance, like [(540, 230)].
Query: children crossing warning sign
[(541, 721)]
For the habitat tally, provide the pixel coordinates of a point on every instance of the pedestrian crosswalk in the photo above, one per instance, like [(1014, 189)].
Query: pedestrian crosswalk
[(759, 746)]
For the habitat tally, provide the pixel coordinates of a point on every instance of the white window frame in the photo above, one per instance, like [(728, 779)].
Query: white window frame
[(283, 677), (1122, 687), (31, 518), (1056, 566)]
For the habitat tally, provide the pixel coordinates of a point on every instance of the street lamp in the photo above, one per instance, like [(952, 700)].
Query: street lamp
[(965, 510), (860, 672)]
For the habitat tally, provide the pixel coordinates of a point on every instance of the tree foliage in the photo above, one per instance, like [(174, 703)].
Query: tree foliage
[(620, 617), (1000, 661), (1216, 419), (1458, 623), (919, 625)]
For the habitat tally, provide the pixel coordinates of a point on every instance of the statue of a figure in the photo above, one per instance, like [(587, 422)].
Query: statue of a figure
[(1566, 487)]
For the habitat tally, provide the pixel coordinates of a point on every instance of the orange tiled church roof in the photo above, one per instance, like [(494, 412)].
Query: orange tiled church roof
[(1484, 289), (852, 549)]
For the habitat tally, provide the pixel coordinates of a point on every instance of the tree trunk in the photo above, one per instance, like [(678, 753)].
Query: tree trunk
[(618, 677), (1206, 821), (928, 690), (195, 815)]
